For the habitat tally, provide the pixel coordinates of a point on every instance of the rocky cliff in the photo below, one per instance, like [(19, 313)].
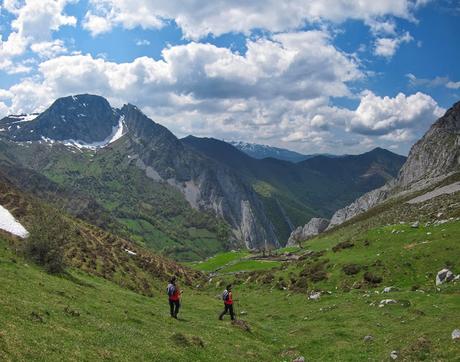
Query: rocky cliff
[(432, 158), (314, 227)]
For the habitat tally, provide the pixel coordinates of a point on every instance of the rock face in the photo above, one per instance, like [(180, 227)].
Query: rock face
[(206, 184), (432, 158), (436, 154), (314, 227), (359, 206)]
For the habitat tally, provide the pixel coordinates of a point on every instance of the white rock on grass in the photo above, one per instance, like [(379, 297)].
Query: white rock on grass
[(388, 289), (299, 359), (368, 338), (456, 334), (444, 275), (384, 302), (393, 355), (415, 224), (315, 296)]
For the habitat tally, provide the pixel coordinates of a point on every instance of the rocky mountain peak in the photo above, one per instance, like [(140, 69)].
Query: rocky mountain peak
[(436, 154), (84, 118)]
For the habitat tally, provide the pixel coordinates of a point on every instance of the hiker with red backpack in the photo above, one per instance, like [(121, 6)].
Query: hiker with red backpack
[(227, 297), (174, 297)]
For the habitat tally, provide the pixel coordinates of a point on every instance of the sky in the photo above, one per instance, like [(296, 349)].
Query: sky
[(314, 76)]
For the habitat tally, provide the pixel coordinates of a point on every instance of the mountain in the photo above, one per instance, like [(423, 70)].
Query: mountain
[(433, 158), (295, 192), (188, 198), (264, 151), (153, 187)]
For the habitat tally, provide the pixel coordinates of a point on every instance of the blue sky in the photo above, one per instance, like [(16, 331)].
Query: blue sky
[(314, 76)]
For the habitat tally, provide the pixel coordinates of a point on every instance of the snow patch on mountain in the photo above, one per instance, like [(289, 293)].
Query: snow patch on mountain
[(118, 131), (11, 225)]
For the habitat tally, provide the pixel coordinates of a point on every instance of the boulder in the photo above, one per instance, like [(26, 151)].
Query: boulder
[(384, 302), (456, 334), (394, 355), (368, 338), (314, 227), (444, 275), (314, 296)]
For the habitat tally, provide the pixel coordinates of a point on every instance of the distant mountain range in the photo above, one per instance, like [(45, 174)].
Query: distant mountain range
[(264, 151), (189, 198)]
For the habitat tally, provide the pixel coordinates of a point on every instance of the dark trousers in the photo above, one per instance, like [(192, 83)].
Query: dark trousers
[(228, 309), (174, 306)]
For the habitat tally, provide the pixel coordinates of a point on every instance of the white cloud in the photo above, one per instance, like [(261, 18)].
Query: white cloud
[(386, 47), (49, 49), (142, 42), (453, 85), (10, 67), (198, 19), (381, 116), (432, 82), (382, 27), (35, 21)]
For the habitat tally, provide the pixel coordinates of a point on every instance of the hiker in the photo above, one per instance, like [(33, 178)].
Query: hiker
[(227, 297), (174, 297)]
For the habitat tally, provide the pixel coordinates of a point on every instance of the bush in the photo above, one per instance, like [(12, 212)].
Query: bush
[(342, 245), (372, 278), (351, 269), (44, 246)]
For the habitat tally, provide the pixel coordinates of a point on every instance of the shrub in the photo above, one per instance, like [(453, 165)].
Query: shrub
[(351, 269), (44, 246), (372, 278), (342, 245)]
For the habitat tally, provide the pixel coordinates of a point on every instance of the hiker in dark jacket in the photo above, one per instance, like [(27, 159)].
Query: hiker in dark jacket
[(228, 302), (174, 297)]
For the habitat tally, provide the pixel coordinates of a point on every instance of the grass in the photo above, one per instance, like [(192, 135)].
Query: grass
[(218, 261), (85, 318), (249, 265)]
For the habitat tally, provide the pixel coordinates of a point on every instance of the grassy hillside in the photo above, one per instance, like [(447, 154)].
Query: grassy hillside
[(108, 190), (93, 317), (83, 317)]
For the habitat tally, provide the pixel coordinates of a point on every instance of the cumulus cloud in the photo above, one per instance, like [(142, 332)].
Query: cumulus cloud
[(306, 61), (198, 19), (34, 22), (383, 115), (387, 47)]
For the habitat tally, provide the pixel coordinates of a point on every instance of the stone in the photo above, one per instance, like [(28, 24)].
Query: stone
[(444, 275), (388, 289), (456, 334), (314, 227), (394, 355), (415, 225), (384, 302), (368, 338), (314, 296), (299, 359)]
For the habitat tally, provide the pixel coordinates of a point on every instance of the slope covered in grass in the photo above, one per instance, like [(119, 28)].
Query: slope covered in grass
[(83, 317)]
